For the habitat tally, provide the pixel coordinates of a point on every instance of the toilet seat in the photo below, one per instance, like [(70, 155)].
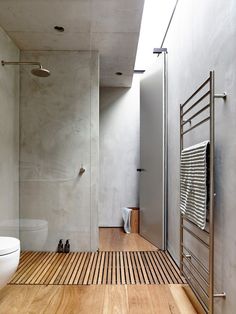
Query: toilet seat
[(32, 224), (9, 245), (23, 224)]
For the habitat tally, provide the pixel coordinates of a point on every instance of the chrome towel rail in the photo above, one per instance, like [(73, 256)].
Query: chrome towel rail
[(191, 266)]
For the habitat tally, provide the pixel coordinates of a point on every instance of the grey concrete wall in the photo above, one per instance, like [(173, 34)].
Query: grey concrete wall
[(202, 37), (59, 120), (119, 151), (9, 137)]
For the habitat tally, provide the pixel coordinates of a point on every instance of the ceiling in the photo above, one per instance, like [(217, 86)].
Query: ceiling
[(109, 26)]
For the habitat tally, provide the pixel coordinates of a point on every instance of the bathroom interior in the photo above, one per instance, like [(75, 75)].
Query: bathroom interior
[(117, 113)]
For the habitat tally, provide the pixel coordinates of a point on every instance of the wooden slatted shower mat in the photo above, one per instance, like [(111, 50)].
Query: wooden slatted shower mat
[(47, 268)]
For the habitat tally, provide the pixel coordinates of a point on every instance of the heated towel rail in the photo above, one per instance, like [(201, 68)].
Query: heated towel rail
[(199, 109)]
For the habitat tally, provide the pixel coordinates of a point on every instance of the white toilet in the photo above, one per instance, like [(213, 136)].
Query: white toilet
[(9, 258), (33, 233)]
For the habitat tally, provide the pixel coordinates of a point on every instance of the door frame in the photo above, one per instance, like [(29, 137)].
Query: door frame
[(165, 151), (164, 243)]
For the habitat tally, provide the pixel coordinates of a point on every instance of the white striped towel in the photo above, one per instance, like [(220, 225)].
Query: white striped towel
[(194, 183)]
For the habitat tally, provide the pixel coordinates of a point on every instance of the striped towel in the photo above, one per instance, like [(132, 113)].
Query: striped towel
[(194, 183)]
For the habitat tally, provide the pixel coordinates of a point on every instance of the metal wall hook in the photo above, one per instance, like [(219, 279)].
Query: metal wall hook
[(223, 95), (220, 295), (81, 170)]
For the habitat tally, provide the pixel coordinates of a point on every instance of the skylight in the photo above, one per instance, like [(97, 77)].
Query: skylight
[(155, 19)]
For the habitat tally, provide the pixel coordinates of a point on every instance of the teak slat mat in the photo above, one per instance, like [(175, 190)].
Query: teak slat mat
[(96, 268)]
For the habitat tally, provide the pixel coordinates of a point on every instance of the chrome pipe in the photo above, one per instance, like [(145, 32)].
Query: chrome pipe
[(196, 114), (196, 270), (40, 71), (196, 280), (223, 95), (20, 63), (196, 125), (196, 103), (181, 216), (195, 93), (195, 236), (212, 192), (196, 259), (203, 304), (190, 222), (220, 295)]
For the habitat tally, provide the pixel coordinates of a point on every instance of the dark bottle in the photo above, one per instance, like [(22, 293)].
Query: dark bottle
[(67, 247), (60, 247)]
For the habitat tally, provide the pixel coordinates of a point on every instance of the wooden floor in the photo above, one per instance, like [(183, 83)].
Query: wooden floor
[(116, 268), (115, 239), (143, 299), (96, 299)]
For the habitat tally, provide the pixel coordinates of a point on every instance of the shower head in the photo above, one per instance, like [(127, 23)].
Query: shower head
[(40, 71)]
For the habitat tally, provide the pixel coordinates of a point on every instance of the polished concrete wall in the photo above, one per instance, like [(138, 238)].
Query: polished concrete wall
[(59, 118), (202, 37), (119, 151), (9, 139)]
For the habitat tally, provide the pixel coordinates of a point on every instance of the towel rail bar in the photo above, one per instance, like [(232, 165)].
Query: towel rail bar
[(202, 94), (193, 224), (196, 114), (195, 93), (203, 304), (196, 103), (196, 270), (195, 236), (196, 259), (195, 280), (196, 125)]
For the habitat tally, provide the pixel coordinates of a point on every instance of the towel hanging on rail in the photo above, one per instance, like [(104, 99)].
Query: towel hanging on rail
[(194, 183)]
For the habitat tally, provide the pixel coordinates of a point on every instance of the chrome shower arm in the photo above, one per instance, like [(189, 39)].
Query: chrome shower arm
[(20, 63)]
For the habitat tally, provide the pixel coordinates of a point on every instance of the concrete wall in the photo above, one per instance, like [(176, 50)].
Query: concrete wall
[(119, 151), (9, 137), (202, 37), (59, 133)]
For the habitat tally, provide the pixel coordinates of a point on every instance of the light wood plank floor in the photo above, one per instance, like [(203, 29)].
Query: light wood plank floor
[(152, 299), (99, 299), (115, 239)]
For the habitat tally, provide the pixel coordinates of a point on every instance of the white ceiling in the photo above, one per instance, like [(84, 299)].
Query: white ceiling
[(109, 26)]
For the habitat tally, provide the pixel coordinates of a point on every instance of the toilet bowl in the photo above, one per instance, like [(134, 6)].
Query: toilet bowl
[(9, 258), (33, 233)]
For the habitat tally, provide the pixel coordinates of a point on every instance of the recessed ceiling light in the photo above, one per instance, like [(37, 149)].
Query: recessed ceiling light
[(119, 73), (59, 28)]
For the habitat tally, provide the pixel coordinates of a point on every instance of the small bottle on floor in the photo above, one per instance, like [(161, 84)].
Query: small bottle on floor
[(67, 247), (60, 247)]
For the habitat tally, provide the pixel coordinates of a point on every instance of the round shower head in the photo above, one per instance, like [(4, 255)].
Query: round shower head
[(41, 72)]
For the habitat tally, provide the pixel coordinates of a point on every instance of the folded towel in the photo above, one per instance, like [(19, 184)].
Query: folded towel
[(194, 183), (126, 214)]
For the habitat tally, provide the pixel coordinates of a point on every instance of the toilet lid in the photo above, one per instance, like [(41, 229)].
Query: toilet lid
[(32, 224), (23, 224), (8, 245)]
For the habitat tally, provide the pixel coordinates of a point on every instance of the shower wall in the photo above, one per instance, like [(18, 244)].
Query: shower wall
[(9, 139), (202, 37), (59, 133)]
